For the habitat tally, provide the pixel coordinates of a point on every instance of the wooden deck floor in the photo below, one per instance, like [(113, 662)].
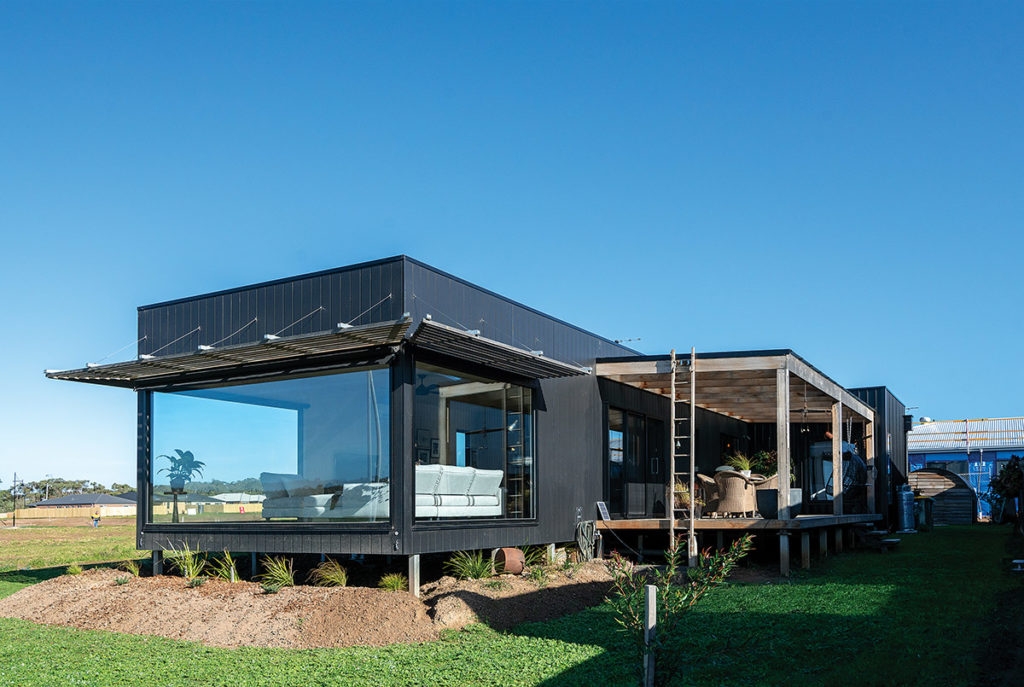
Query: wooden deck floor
[(828, 527)]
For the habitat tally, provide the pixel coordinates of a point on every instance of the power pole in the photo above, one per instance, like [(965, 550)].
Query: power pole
[(15, 487)]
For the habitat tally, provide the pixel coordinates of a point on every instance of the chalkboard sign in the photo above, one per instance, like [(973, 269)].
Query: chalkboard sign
[(602, 510)]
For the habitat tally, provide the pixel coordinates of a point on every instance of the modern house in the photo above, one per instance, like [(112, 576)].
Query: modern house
[(389, 408), (973, 450)]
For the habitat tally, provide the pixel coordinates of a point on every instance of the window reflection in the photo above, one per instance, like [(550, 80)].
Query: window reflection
[(473, 446), (307, 449)]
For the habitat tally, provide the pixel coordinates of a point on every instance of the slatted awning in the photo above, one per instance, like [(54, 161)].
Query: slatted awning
[(207, 362), (474, 348)]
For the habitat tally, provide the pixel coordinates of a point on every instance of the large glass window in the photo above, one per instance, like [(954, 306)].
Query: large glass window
[(473, 446), (303, 449), (635, 463)]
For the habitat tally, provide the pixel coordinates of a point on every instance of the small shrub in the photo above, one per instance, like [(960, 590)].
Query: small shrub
[(468, 565), (196, 582), (131, 567), (534, 555), (74, 569), (539, 575), (122, 580), (498, 584), (330, 573), (679, 589), (570, 566), (394, 582), (270, 588), (223, 567), (278, 572), (190, 563)]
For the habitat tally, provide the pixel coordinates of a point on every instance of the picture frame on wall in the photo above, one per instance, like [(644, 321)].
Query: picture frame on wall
[(422, 456), (435, 448)]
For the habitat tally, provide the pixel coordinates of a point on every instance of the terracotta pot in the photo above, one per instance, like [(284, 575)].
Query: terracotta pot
[(510, 560)]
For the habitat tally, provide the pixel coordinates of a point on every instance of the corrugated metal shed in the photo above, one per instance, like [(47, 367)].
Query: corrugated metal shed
[(967, 435)]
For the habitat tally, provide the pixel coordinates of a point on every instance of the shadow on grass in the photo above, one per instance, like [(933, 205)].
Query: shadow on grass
[(919, 615), (32, 576), (542, 605), (35, 575)]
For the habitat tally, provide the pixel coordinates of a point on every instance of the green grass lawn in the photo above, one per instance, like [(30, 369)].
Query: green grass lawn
[(42, 546), (932, 612)]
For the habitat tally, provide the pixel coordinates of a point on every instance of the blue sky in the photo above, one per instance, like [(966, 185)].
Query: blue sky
[(842, 179)]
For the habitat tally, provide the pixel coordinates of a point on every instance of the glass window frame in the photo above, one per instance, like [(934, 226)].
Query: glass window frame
[(456, 446), (152, 467)]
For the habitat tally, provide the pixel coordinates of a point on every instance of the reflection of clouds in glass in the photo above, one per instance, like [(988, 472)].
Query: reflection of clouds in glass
[(235, 440)]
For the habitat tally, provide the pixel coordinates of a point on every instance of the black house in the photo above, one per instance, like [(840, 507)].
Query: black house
[(383, 408), (389, 408)]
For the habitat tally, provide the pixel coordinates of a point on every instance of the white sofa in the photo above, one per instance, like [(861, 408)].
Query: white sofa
[(450, 491), (442, 491), (292, 496)]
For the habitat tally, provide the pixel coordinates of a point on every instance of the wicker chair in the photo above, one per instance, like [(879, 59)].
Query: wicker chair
[(736, 496), (709, 492)]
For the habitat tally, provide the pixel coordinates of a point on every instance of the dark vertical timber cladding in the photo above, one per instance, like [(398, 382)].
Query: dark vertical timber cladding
[(302, 305), (570, 456), (457, 303), (890, 460)]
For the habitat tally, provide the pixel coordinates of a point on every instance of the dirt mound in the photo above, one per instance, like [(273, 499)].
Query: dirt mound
[(219, 613)]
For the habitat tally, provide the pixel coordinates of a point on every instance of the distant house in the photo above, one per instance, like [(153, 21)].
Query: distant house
[(973, 449), (82, 505), (240, 497), (84, 500)]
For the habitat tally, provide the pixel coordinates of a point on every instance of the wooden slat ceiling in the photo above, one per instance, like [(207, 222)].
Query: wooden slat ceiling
[(745, 394)]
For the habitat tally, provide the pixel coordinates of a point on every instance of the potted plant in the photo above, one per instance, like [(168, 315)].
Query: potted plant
[(683, 500), (767, 464), (739, 462), (182, 469)]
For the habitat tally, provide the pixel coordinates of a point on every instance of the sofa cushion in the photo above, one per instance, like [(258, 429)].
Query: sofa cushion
[(427, 477), (486, 482), (316, 501), (455, 480), (273, 484), (297, 485), (370, 500)]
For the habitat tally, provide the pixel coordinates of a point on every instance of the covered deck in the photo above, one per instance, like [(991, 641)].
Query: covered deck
[(832, 532), (774, 387)]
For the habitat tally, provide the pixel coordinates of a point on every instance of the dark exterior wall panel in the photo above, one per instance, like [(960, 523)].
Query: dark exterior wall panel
[(568, 463), (457, 303), (890, 447), (269, 542), (356, 295)]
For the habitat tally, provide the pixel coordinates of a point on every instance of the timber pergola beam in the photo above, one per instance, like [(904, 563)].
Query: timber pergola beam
[(742, 385)]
